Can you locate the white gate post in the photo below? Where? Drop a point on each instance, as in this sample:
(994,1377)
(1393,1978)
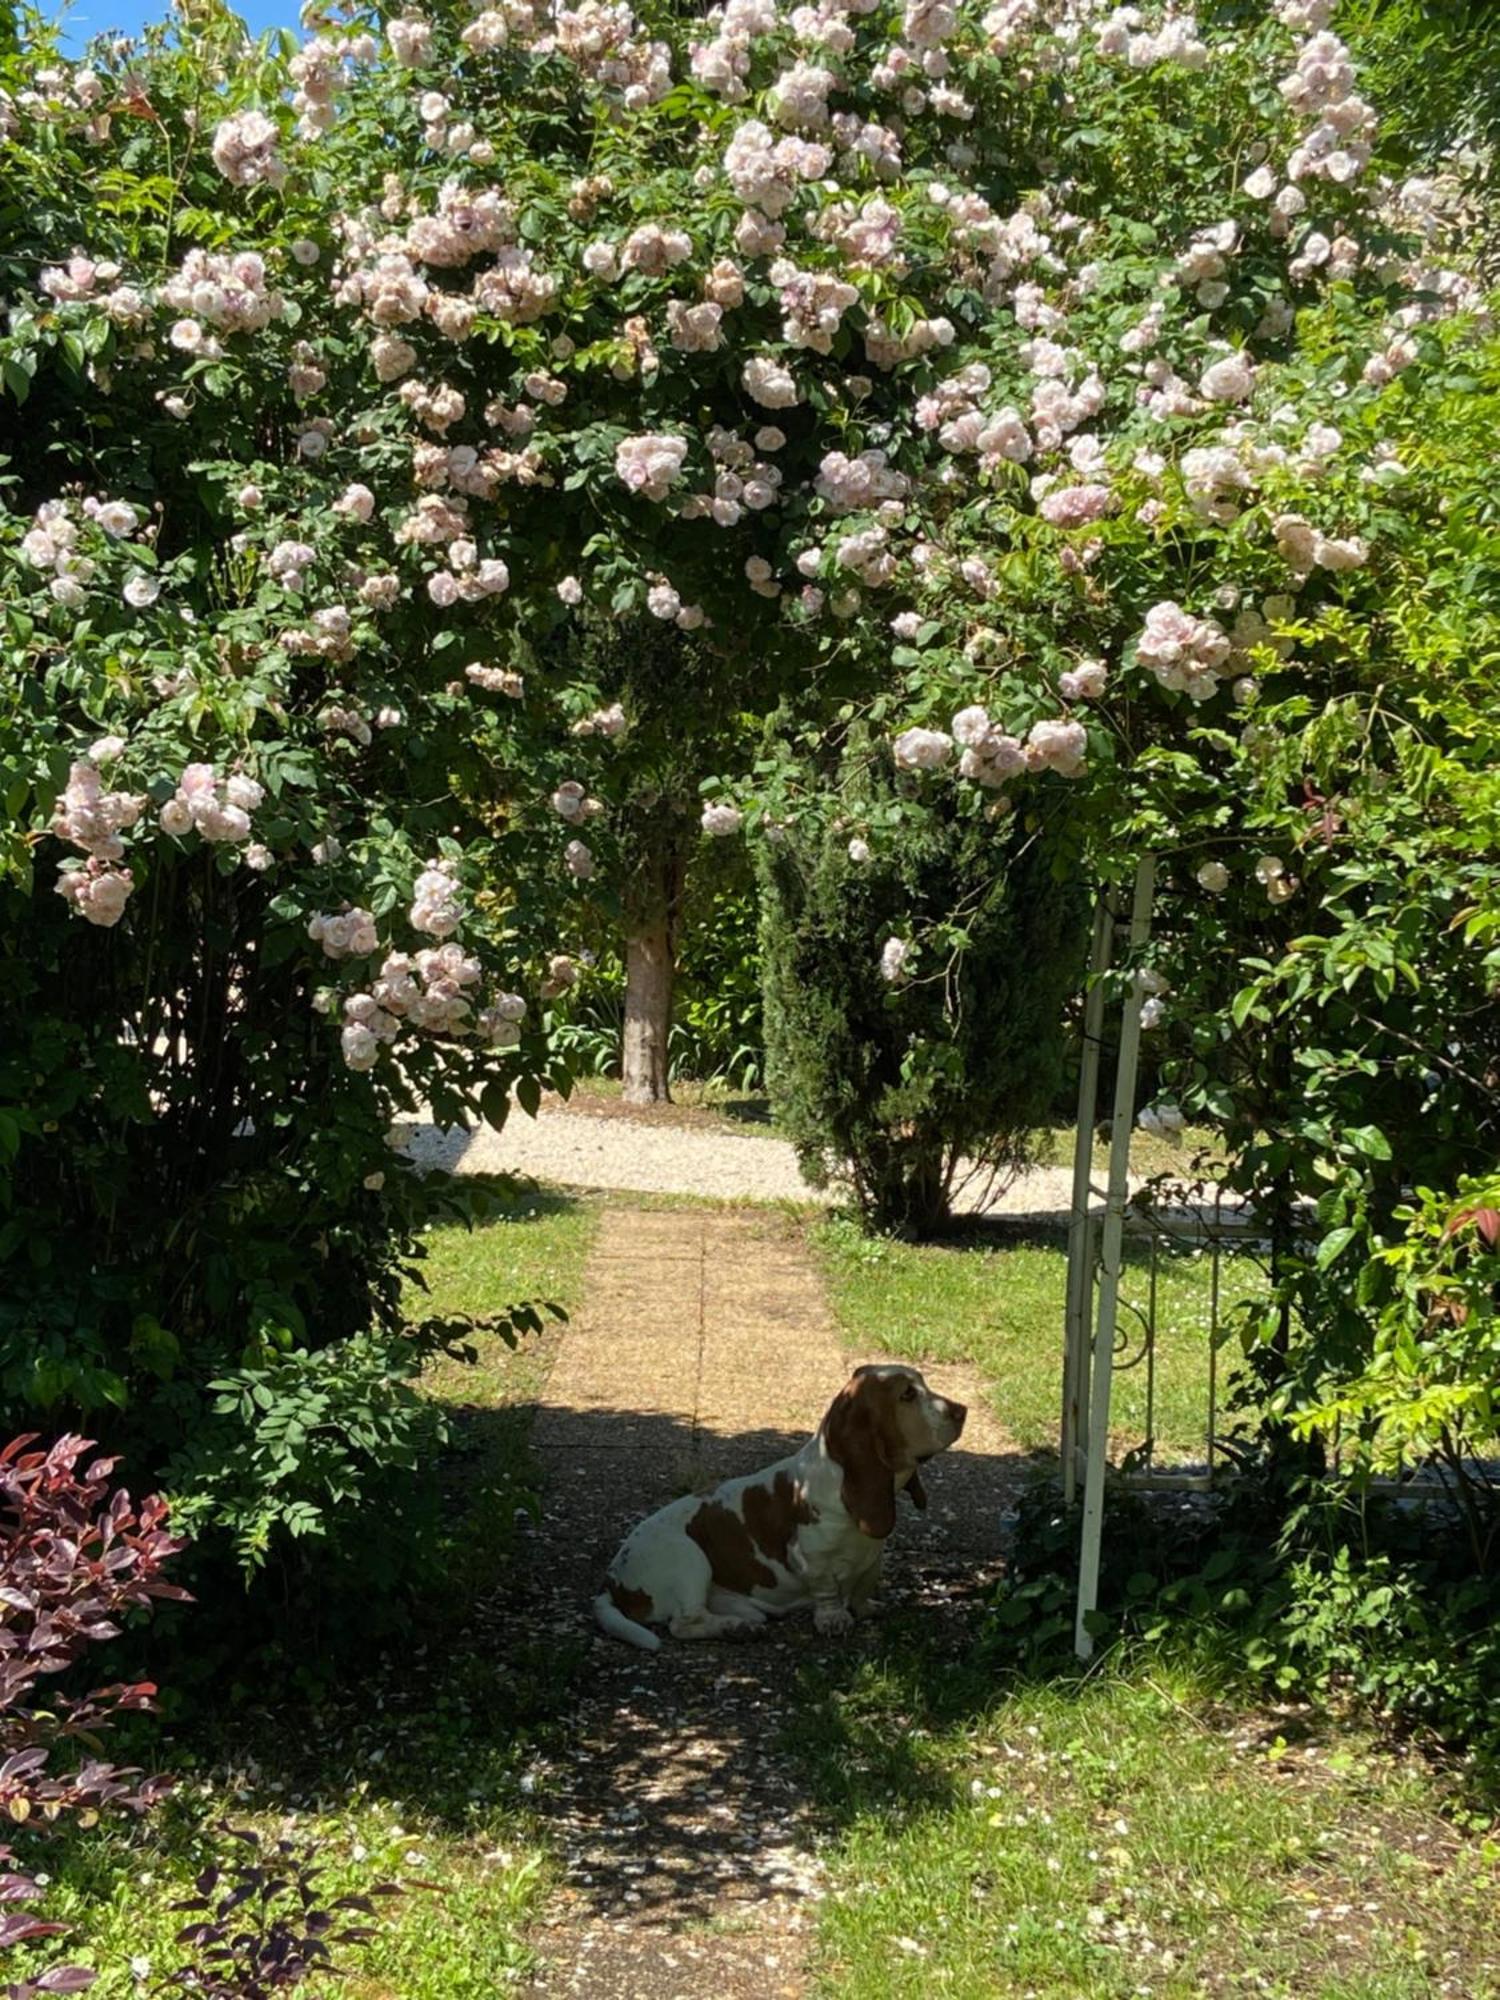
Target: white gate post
(1109,1271)
(1080,1243)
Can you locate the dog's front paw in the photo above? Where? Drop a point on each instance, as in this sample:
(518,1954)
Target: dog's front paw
(833,1620)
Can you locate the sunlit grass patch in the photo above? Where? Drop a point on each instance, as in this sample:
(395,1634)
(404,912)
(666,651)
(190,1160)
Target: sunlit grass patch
(1122,1837)
(1001,1306)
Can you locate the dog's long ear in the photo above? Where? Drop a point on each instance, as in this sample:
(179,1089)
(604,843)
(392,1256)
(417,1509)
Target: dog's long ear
(916,1492)
(854,1434)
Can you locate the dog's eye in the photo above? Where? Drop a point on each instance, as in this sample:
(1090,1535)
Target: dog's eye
(909,1394)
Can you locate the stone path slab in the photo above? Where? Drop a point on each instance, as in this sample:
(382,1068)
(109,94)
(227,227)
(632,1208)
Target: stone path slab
(705,1348)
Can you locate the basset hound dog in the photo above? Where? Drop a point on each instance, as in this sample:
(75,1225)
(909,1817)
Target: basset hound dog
(810,1529)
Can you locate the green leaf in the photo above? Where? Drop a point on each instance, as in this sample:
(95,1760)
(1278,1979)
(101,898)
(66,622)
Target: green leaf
(529,1094)
(1334,1244)
(1369,1140)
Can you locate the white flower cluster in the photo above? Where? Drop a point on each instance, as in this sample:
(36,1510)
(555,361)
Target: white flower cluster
(695,329)
(318,71)
(851,485)
(605,43)
(1153,987)
(741,480)
(653,251)
(572,802)
(80,278)
(410,38)
(650,464)
(1321,89)
(1058,746)
(722,64)
(347,933)
(469,577)
(606,722)
(1085,682)
(1186,654)
(813,304)
(922,749)
(768,383)
(497,680)
(953,411)
(339,720)
(244,150)
(1176,40)
(97,891)
(1271,873)
(867,553)
(1229,380)
(721,820)
(765,172)
(1214,477)
(1164,1121)
(562,972)
(428,990)
(1305,547)
(869,237)
(289,561)
(215,808)
(93,819)
(664,602)
(52,543)
(1076,506)
(990,756)
(329,635)
(227,289)
(437,901)
(894,954)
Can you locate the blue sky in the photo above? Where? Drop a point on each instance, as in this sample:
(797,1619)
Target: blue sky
(84,19)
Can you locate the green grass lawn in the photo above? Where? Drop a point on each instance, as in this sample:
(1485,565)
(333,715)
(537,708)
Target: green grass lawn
(1000,1305)
(411,1771)
(1126,1837)
(1136,1833)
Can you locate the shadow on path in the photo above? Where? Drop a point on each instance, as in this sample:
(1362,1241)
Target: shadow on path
(688,1846)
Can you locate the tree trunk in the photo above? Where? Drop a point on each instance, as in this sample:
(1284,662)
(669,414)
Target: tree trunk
(650,968)
(653,907)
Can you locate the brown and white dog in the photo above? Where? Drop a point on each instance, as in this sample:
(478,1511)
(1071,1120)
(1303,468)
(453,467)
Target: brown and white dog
(810,1529)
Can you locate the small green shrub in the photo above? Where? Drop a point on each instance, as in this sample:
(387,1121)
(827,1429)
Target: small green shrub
(1377,1609)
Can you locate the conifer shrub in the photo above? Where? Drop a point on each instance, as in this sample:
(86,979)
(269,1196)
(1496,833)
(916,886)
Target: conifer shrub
(915,999)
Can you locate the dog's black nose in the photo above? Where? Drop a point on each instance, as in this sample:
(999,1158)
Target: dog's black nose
(958,1412)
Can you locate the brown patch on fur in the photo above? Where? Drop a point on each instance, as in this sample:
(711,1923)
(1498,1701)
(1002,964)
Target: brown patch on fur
(725,1540)
(634,1604)
(774,1513)
(862,1435)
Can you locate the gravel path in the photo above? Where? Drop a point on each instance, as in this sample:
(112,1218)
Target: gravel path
(576,1149)
(689,1853)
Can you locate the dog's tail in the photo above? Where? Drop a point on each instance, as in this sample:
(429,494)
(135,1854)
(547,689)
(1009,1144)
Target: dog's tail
(613,1620)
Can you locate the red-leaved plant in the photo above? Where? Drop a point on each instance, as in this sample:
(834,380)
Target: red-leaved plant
(264,1926)
(74,1558)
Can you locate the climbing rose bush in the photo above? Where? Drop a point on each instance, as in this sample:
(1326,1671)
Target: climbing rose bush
(991,372)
